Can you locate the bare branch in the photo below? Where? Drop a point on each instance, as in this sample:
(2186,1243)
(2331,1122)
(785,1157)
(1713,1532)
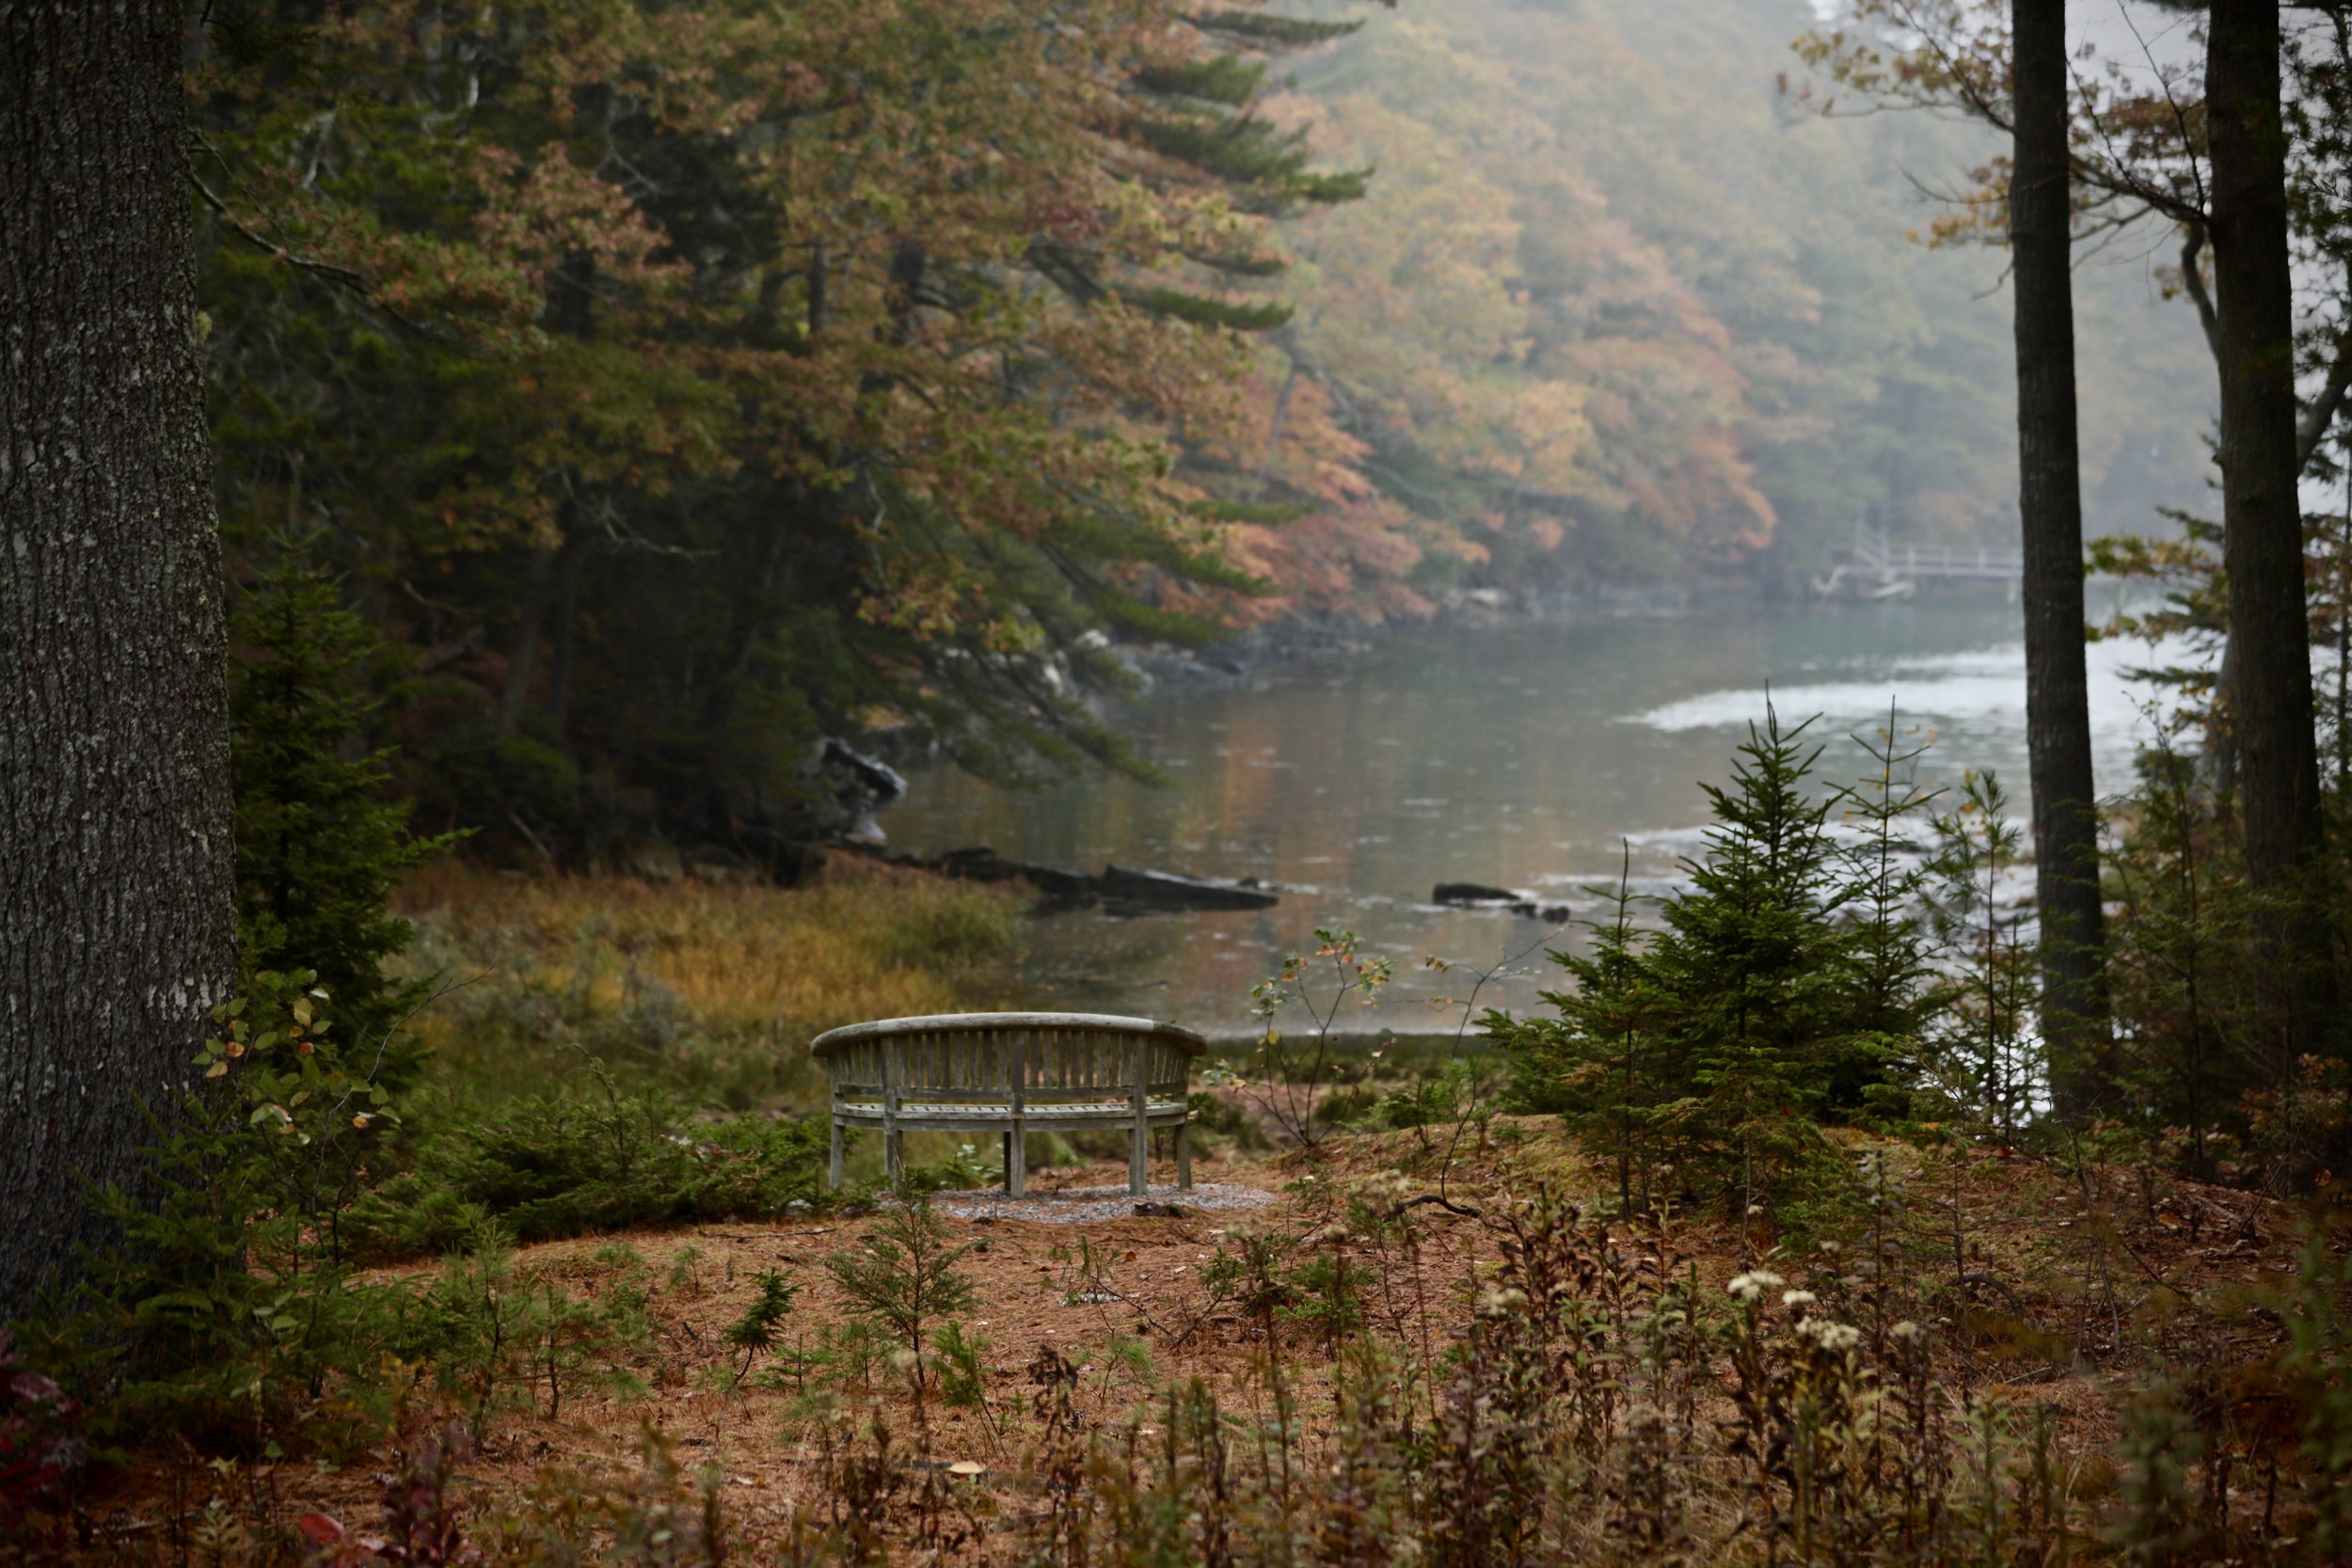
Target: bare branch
(2321,413)
(2193,279)
(343,277)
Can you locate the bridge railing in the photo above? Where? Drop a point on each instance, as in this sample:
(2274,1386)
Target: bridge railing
(1936,560)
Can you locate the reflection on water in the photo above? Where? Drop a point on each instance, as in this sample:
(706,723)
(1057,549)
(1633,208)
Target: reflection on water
(1523,757)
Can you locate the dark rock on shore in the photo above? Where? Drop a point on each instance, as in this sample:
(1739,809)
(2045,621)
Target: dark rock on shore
(854,786)
(1477,895)
(1474,893)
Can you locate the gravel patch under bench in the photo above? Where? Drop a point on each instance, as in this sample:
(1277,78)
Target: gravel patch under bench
(1082,1205)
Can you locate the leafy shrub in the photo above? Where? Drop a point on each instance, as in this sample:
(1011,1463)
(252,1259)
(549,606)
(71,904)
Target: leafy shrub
(962,1170)
(1353,1106)
(233,1311)
(1219,1116)
(422,1522)
(1294,1067)
(41,1446)
(230,1308)
(1422,1101)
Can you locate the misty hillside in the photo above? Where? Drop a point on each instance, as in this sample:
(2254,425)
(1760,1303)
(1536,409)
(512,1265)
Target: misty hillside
(1615,282)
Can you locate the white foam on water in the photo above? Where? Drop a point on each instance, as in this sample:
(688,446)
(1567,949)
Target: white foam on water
(1982,689)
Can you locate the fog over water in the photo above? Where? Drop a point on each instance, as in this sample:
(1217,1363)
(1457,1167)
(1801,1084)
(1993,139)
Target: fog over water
(1530,756)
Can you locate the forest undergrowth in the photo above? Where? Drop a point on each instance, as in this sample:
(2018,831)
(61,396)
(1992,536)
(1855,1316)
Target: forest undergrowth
(2002,1360)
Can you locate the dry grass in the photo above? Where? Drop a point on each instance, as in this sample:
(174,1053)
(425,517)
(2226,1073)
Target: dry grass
(710,988)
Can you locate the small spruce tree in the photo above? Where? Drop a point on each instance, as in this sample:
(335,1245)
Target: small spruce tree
(905,1276)
(1754,975)
(319,846)
(1985,1050)
(1788,987)
(1593,1063)
(1894,995)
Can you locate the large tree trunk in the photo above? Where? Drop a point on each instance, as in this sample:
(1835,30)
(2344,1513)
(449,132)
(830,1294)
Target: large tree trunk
(2049,504)
(2262,524)
(117,933)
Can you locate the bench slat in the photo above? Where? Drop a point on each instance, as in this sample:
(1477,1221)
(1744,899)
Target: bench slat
(997,1072)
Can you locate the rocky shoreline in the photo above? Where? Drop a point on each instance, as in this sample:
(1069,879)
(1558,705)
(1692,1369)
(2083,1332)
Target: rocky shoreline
(1130,890)
(1311,637)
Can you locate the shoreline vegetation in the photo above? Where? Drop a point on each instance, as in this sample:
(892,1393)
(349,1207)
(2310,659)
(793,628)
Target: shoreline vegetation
(1308,634)
(711,989)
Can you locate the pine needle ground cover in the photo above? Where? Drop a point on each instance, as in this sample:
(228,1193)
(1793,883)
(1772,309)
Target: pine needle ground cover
(1341,1379)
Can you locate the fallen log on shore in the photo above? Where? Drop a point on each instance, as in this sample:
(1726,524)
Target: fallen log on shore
(1166,890)
(1130,890)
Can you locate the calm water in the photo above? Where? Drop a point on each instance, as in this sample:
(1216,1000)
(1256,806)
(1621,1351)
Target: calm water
(1523,757)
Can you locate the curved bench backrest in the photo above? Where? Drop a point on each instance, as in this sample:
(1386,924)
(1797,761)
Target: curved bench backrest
(1035,1056)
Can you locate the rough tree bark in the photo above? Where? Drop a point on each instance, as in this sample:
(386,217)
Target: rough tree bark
(2262,522)
(2217,766)
(117,932)
(2049,504)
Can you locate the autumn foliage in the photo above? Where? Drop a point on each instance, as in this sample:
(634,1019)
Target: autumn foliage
(679,382)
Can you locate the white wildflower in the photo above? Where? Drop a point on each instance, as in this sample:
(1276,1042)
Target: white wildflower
(1835,1338)
(1798,1298)
(1752,1284)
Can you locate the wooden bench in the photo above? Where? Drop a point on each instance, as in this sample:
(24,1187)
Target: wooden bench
(1008,1073)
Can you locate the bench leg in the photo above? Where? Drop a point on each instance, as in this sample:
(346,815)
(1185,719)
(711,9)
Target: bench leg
(833,1176)
(1016,1163)
(894,1155)
(1139,1159)
(1183,1156)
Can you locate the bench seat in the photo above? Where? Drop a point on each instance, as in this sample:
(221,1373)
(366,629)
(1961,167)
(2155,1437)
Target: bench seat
(997,1116)
(1005,1072)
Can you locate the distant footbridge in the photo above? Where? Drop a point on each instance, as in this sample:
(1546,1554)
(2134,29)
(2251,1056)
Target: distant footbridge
(1878,568)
